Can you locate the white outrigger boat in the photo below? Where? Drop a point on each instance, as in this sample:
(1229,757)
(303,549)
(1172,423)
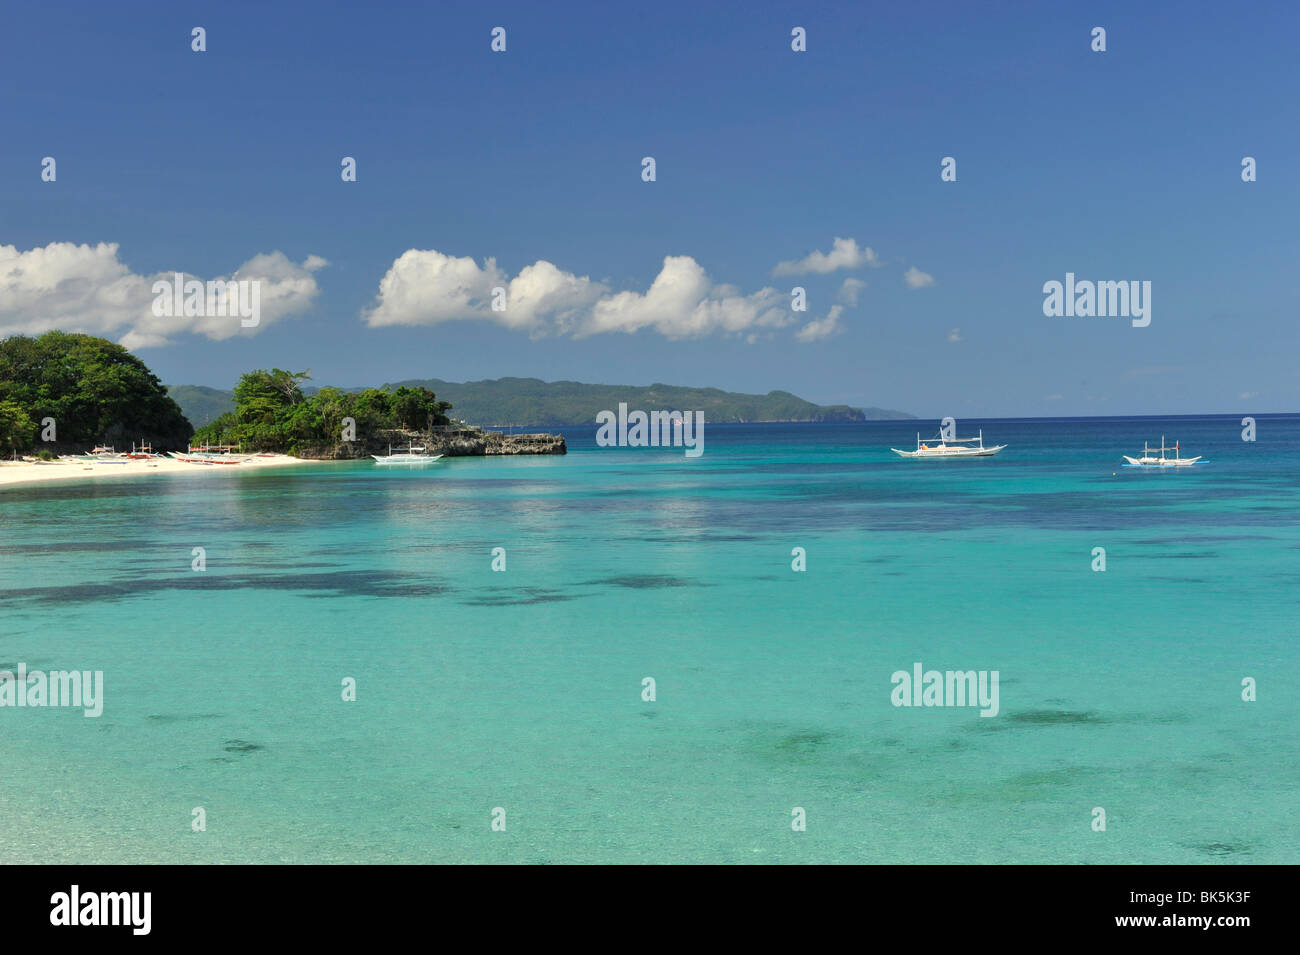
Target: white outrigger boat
(412,455)
(1149,459)
(100,454)
(212,454)
(950,448)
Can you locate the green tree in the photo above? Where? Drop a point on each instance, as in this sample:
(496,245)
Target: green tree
(17,429)
(418,408)
(273,413)
(94,390)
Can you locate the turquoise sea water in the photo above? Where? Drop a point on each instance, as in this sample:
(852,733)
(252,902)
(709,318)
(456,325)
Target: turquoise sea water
(523,689)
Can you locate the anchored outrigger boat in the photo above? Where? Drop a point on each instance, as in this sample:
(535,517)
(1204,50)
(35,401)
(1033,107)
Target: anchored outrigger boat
(412,455)
(950,448)
(1149,459)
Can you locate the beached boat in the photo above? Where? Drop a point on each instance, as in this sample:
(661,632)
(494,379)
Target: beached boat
(195,458)
(950,448)
(142,453)
(412,455)
(212,454)
(1159,457)
(100,454)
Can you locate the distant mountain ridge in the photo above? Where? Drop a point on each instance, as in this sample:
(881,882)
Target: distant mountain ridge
(201,405)
(531,401)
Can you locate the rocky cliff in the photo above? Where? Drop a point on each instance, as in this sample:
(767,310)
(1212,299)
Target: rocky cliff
(451,442)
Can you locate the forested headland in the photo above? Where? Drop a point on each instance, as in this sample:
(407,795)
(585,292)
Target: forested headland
(64,391)
(273,413)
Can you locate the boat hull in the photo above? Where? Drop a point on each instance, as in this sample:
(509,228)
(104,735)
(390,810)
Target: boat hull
(196,458)
(412,459)
(1160,463)
(949,452)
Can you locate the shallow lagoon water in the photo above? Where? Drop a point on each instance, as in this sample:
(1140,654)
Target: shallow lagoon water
(522,689)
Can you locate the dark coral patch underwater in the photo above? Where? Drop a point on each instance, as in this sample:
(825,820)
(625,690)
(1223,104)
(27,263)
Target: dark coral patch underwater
(644,582)
(340,583)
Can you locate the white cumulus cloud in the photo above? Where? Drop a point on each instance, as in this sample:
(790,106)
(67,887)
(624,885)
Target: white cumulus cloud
(85,288)
(915,278)
(954,335)
(425,287)
(822,327)
(844,254)
(850,290)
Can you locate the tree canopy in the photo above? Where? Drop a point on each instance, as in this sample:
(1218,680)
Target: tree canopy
(95,390)
(273,413)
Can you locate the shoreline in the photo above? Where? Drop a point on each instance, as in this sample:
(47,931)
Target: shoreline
(22,473)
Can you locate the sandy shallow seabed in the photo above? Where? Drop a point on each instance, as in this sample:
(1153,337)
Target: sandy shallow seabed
(21,472)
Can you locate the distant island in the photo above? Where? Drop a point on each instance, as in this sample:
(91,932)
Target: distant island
(502,402)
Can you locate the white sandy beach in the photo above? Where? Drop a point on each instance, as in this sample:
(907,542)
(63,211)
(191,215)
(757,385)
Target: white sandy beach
(23,472)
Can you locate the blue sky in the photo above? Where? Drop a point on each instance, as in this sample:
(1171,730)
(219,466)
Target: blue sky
(1117,165)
